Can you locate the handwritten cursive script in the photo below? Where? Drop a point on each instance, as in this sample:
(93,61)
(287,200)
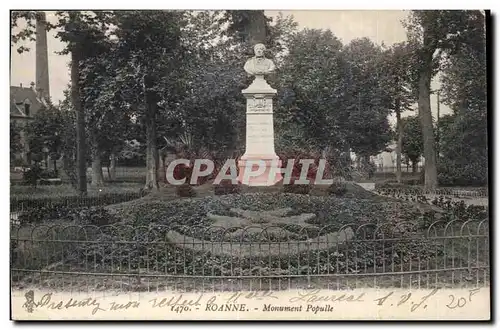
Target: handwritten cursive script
(47,302)
(257,295)
(175,301)
(403,299)
(311,296)
(313,301)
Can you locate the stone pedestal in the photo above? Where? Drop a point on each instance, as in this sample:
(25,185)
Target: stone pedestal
(259,149)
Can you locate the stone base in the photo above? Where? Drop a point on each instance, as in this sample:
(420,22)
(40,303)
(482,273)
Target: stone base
(249,163)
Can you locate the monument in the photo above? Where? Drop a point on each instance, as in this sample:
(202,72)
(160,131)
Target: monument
(259,166)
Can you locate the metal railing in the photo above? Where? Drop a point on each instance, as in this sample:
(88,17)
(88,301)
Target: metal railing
(23,203)
(123,174)
(446,192)
(393,169)
(155,258)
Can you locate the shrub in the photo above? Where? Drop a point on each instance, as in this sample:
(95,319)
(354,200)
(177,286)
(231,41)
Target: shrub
(220,162)
(48,174)
(97,216)
(185,190)
(388,185)
(462,174)
(85,215)
(226,187)
(294,188)
(44,213)
(32,175)
(18,162)
(297,166)
(182,171)
(338,188)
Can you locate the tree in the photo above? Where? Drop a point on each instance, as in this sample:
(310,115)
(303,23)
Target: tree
(397,66)
(27,33)
(464,151)
(45,132)
(68,137)
(251,26)
(412,144)
(311,83)
(15,140)
(331,97)
(107,118)
(368,102)
(434,33)
(212,109)
(464,148)
(81,31)
(151,77)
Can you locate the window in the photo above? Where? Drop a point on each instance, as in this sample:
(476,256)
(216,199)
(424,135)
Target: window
(27,109)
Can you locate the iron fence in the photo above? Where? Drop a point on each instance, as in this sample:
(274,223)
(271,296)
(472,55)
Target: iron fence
(450,192)
(154,258)
(121,174)
(23,203)
(405,169)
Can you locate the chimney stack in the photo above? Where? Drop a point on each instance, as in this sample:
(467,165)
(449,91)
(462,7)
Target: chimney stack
(42,58)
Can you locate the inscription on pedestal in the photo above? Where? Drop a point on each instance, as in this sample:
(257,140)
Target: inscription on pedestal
(260,134)
(260,105)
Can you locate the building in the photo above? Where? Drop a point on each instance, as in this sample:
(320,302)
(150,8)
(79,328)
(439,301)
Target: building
(386,160)
(25,102)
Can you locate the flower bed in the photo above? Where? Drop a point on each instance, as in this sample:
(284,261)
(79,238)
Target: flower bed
(385,235)
(329,209)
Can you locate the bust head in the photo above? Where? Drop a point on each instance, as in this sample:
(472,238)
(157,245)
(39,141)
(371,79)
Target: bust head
(259,50)
(259,65)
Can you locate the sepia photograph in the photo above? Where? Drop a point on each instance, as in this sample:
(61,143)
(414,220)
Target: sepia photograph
(249,165)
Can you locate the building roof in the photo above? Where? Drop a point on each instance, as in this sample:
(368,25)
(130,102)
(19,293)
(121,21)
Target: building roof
(18,96)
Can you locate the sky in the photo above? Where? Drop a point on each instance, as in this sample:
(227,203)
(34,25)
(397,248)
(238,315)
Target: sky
(381,26)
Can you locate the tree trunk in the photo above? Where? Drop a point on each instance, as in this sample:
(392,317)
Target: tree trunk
(97,177)
(348,155)
(54,162)
(156,157)
(414,166)
(424,110)
(151,148)
(162,170)
(112,166)
(80,115)
(151,168)
(399,145)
